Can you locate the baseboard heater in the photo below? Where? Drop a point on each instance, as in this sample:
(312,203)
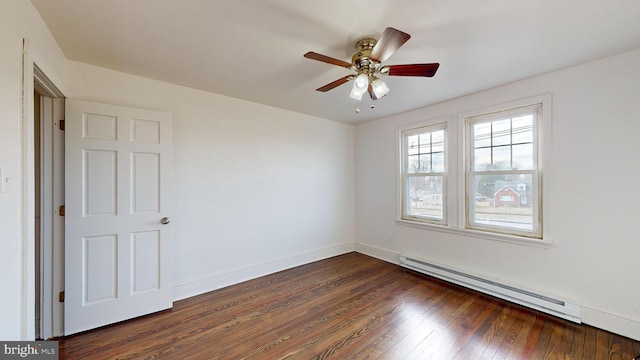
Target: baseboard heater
(526,298)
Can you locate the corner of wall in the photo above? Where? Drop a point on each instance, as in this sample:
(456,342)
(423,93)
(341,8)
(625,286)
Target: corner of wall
(615,324)
(211,282)
(378,253)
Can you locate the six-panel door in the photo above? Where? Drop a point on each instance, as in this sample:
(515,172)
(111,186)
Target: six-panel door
(118,190)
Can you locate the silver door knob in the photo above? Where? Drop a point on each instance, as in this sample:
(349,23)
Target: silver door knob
(164,220)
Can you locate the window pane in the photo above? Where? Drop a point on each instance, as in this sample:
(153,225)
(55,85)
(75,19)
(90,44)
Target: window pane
(425,197)
(482,159)
(437,141)
(425,143)
(523,157)
(425,163)
(501,158)
(421,149)
(437,162)
(413,164)
(523,129)
(482,134)
(412,144)
(504,201)
(501,132)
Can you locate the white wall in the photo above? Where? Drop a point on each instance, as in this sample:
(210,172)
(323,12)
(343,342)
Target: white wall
(257,189)
(594,257)
(18,20)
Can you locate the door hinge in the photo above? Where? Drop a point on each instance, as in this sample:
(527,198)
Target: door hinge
(61,124)
(61,210)
(61,296)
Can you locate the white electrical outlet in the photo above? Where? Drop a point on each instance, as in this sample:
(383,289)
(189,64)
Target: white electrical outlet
(390,238)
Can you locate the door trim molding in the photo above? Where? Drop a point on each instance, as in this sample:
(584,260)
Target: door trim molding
(32,78)
(44,85)
(27,198)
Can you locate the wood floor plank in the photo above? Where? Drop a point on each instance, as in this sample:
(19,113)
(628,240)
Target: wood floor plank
(333,316)
(347,307)
(505,330)
(436,326)
(527,320)
(395,323)
(477,344)
(412,331)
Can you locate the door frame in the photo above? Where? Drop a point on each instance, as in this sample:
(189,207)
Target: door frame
(51,169)
(32,74)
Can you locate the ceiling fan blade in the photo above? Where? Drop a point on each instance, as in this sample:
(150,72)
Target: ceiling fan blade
(389,42)
(335,84)
(327,59)
(427,70)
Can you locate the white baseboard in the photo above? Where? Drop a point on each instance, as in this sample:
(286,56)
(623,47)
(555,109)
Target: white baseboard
(613,323)
(378,253)
(210,282)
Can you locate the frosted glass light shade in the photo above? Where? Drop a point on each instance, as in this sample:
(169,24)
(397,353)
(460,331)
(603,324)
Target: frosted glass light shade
(360,86)
(379,88)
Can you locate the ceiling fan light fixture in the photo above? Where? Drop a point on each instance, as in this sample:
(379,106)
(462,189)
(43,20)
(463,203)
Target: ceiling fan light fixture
(362,81)
(356,94)
(379,88)
(360,86)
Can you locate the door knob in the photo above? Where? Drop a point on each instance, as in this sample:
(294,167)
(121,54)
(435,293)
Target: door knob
(164,220)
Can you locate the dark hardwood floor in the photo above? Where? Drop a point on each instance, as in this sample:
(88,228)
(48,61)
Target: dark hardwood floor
(347,307)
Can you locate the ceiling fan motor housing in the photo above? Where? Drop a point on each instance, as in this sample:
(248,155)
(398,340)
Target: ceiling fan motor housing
(361,60)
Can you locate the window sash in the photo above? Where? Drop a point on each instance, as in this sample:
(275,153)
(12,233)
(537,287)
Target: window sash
(471,174)
(534,110)
(408,175)
(427,201)
(471,205)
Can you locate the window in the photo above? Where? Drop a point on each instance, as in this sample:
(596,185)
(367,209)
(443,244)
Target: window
(423,174)
(503,166)
(479,173)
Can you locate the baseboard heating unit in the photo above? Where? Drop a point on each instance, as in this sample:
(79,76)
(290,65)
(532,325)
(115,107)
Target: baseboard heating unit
(526,298)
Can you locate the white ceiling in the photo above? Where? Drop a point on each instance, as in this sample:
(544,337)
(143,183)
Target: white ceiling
(253,50)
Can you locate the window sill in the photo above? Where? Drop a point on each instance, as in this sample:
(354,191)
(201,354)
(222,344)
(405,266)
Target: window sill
(518,240)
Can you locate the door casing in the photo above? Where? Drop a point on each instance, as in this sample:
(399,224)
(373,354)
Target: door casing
(51,168)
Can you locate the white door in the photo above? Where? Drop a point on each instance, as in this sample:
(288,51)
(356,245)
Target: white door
(117,208)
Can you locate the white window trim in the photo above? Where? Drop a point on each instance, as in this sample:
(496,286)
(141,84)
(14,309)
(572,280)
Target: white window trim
(456,161)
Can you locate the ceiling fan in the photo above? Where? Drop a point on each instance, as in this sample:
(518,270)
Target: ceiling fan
(367,63)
